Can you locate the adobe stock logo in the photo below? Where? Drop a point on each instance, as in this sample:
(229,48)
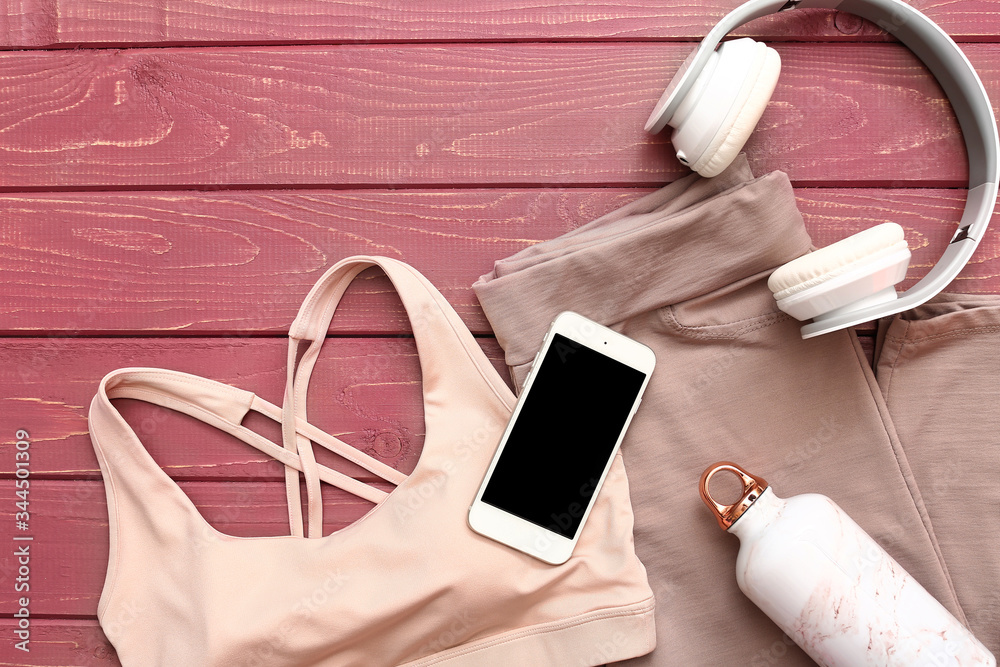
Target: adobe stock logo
(565,348)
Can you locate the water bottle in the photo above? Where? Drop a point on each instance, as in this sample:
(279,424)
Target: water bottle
(831,587)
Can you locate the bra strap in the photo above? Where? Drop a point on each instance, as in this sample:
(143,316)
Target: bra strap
(224,407)
(447,351)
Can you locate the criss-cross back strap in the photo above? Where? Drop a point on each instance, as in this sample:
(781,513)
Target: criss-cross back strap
(224,407)
(450,361)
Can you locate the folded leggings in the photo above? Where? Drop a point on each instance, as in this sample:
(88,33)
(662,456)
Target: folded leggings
(910,449)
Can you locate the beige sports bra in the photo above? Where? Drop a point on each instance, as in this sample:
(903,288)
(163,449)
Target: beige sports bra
(409,583)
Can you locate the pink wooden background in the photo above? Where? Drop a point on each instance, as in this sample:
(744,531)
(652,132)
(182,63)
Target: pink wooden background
(175,176)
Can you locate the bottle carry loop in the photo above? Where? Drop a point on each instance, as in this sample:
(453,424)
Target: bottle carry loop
(727,515)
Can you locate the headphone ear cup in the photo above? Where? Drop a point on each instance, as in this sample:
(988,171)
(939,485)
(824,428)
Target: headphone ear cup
(858,271)
(715,118)
(746,111)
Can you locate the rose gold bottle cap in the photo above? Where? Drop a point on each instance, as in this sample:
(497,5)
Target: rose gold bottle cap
(727,515)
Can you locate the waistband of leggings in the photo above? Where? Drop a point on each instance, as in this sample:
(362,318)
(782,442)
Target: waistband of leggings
(685,240)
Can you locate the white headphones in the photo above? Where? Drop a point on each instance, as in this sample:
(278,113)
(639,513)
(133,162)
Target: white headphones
(718,95)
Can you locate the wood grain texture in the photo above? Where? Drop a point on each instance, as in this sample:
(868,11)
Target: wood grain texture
(465,115)
(265,250)
(241,262)
(58,643)
(364,391)
(54,23)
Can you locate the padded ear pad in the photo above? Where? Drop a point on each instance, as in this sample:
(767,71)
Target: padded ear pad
(833,260)
(848,271)
(746,109)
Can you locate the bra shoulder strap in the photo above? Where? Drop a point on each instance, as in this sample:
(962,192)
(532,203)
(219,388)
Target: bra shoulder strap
(452,363)
(223,406)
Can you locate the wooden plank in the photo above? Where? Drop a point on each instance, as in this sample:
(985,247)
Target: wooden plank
(82,263)
(560,114)
(57,643)
(69,526)
(225,263)
(365,391)
(54,23)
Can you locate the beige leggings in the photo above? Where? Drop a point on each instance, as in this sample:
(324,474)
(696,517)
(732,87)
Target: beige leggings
(910,450)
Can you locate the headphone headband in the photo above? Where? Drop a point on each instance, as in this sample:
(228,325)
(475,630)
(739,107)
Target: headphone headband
(961,85)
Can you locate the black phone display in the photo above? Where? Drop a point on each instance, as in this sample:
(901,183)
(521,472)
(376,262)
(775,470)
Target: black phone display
(569,425)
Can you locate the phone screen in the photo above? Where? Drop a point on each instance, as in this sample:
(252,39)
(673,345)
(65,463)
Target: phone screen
(564,435)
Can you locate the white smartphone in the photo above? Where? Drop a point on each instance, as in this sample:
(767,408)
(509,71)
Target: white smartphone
(569,421)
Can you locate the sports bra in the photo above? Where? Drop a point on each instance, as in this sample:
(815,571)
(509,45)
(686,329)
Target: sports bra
(407,584)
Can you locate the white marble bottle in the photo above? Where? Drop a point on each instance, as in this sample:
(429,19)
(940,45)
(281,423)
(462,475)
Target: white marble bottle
(832,588)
